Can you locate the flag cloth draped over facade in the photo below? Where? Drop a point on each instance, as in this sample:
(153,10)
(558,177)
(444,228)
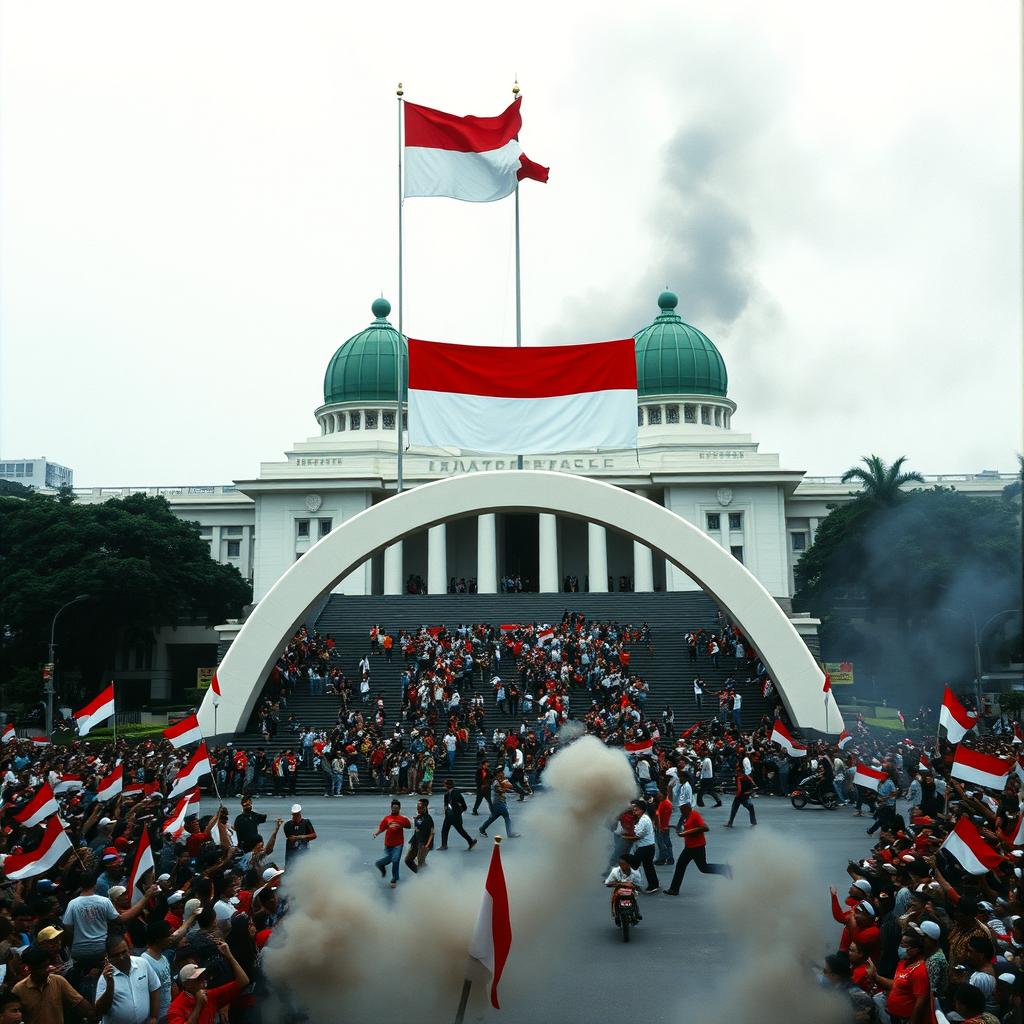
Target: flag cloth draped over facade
(111,786)
(782,736)
(96,712)
(555,398)
(476,159)
(493,936)
(184,732)
(981,769)
(955,717)
(189,776)
(39,808)
(971,851)
(869,778)
(43,858)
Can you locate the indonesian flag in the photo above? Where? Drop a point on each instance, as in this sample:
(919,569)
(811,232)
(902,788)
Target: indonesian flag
(981,769)
(545,635)
(901,717)
(550,398)
(175,824)
(43,858)
(477,159)
(687,733)
(185,732)
(111,786)
(96,712)
(141,863)
(924,762)
(828,685)
(642,747)
(40,741)
(869,778)
(1018,733)
(8,735)
(509,627)
(215,689)
(493,936)
(39,808)
(189,776)
(974,855)
(844,739)
(1017,838)
(1018,767)
(141,788)
(68,783)
(955,717)
(781,735)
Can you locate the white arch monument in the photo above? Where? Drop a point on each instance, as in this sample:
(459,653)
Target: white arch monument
(746,602)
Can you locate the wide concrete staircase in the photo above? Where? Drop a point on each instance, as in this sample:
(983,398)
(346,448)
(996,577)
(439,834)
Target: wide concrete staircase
(668,671)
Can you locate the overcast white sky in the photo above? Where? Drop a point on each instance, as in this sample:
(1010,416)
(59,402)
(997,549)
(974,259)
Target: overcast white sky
(198,206)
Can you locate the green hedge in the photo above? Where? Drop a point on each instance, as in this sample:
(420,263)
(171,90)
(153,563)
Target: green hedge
(142,731)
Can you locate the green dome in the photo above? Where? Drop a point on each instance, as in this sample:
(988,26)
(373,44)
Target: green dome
(365,368)
(673,358)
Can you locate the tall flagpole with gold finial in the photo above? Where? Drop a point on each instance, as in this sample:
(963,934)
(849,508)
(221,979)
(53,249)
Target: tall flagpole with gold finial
(399,424)
(519,292)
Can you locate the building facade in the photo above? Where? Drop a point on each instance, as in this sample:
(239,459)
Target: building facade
(38,473)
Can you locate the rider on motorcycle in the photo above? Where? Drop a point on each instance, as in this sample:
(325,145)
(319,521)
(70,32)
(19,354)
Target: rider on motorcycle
(624,876)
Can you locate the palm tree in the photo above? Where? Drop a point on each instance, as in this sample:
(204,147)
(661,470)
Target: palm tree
(882,483)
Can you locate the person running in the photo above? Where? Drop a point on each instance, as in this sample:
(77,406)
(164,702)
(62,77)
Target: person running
(393,826)
(707,782)
(454,808)
(744,789)
(499,808)
(422,837)
(694,849)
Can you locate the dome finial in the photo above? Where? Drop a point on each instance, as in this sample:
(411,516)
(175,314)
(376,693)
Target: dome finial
(668,300)
(380,308)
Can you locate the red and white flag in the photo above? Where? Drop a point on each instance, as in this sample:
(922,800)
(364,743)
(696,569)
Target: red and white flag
(844,739)
(111,786)
(8,735)
(184,732)
(981,769)
(640,748)
(96,712)
(68,783)
(549,398)
(924,762)
(215,689)
(493,936)
(781,735)
(1018,733)
(1017,838)
(141,788)
(43,858)
(869,778)
(189,776)
(901,717)
(476,159)
(955,717)
(974,855)
(545,635)
(39,808)
(828,685)
(40,741)
(141,863)
(175,824)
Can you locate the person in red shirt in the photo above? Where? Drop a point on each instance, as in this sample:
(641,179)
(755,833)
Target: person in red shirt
(393,826)
(663,826)
(859,925)
(197,1004)
(694,849)
(910,993)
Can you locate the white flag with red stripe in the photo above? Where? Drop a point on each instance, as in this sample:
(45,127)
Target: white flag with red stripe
(844,739)
(189,776)
(640,747)
(551,398)
(974,855)
(782,736)
(8,735)
(43,858)
(96,712)
(476,159)
(981,769)
(869,778)
(141,863)
(112,785)
(492,938)
(955,717)
(39,808)
(175,824)
(182,733)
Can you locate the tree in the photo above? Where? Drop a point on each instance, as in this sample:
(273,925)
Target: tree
(141,566)
(1017,487)
(882,484)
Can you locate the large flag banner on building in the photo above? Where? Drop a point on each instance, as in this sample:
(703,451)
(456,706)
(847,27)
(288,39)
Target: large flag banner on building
(43,858)
(974,855)
(981,769)
(96,712)
(39,808)
(477,159)
(955,717)
(493,936)
(554,398)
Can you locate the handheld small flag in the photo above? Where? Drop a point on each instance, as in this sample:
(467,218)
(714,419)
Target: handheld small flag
(141,863)
(43,858)
(869,778)
(189,776)
(112,785)
(39,808)
(955,717)
(973,854)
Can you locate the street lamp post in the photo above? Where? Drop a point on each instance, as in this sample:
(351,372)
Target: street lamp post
(48,689)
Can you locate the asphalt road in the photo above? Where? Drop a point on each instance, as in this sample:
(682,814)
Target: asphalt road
(683,946)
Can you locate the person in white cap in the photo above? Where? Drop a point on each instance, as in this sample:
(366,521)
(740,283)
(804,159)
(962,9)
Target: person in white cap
(298,834)
(197,1004)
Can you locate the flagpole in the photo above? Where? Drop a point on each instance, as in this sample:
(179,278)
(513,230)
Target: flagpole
(401,303)
(519,289)
(113,683)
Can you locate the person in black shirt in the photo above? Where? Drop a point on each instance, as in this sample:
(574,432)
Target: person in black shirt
(247,825)
(298,834)
(454,808)
(422,838)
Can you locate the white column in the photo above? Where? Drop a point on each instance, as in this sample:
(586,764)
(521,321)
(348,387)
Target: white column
(643,568)
(548,560)
(437,560)
(597,558)
(486,554)
(394,577)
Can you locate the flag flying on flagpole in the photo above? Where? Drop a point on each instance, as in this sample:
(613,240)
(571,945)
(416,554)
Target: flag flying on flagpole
(184,732)
(492,938)
(43,858)
(141,863)
(189,776)
(974,855)
(175,824)
(782,736)
(476,159)
(550,398)
(215,689)
(844,739)
(96,711)
(39,808)
(981,769)
(955,717)
(828,685)
(112,785)
(869,778)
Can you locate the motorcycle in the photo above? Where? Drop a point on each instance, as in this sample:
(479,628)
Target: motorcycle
(812,791)
(627,913)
